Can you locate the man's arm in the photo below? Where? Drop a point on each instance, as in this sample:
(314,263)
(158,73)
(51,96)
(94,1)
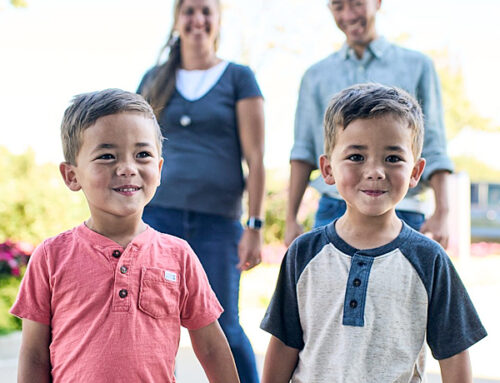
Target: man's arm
(300,171)
(34,356)
(250,113)
(456,369)
(437,225)
(280,362)
(438,164)
(213,352)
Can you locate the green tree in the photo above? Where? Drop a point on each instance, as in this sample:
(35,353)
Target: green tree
(478,171)
(458,110)
(19,3)
(34,202)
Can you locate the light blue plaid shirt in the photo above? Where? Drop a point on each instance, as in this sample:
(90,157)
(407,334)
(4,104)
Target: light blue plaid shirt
(383,63)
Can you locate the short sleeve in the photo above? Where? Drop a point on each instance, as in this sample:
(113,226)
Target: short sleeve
(34,297)
(200,306)
(308,118)
(147,76)
(282,316)
(246,85)
(429,97)
(453,323)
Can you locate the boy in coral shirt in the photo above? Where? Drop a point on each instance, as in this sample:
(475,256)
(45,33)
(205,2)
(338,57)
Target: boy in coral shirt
(104,302)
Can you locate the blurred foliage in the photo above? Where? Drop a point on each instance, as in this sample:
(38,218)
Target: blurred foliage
(276,204)
(34,202)
(14,257)
(19,3)
(9,286)
(478,171)
(458,110)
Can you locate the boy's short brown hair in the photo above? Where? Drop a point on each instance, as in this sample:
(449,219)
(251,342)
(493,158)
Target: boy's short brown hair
(86,108)
(368,101)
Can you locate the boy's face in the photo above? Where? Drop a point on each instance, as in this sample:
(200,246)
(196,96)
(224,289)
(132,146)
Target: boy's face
(118,166)
(372,164)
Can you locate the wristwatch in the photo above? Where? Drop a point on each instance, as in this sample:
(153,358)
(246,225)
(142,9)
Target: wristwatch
(255,223)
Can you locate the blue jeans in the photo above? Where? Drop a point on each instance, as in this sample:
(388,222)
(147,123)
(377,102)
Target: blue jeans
(214,239)
(330,209)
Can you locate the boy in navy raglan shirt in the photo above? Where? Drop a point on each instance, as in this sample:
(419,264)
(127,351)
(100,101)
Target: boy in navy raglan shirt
(357,300)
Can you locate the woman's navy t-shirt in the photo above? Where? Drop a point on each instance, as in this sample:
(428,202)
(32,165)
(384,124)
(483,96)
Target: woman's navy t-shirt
(202,171)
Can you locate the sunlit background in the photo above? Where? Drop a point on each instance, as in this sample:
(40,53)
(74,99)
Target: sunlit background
(54,49)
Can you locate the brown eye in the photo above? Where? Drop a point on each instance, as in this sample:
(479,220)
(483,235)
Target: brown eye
(144,155)
(356,157)
(106,156)
(393,159)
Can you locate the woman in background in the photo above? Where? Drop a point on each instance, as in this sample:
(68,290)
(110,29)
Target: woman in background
(211,112)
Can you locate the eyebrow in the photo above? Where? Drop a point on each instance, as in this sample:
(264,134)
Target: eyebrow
(392,148)
(112,146)
(395,148)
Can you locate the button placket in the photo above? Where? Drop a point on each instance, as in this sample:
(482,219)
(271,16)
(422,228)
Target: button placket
(121,296)
(355,295)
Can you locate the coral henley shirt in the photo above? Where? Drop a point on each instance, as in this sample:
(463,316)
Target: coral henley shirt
(115,314)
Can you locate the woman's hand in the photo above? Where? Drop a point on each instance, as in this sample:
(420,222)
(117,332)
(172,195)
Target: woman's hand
(249,249)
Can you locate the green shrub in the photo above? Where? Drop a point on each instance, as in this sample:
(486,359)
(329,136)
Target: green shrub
(34,202)
(9,286)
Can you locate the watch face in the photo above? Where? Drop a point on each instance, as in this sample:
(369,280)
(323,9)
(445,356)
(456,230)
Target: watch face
(254,223)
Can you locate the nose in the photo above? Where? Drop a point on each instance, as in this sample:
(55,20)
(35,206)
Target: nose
(375,172)
(126,168)
(199,18)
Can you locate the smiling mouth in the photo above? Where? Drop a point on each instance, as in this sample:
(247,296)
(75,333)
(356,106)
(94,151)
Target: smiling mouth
(127,189)
(374,193)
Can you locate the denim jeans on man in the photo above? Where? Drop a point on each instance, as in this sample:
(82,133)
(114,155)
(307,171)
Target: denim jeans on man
(214,239)
(330,209)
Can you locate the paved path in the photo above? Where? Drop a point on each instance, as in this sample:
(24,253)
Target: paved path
(188,368)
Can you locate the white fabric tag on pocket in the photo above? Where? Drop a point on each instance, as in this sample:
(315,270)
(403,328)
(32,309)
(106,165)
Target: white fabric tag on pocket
(170,276)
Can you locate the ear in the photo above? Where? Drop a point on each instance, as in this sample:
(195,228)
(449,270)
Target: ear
(416,172)
(160,166)
(326,169)
(69,176)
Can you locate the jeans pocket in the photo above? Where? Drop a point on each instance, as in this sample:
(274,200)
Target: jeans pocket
(159,292)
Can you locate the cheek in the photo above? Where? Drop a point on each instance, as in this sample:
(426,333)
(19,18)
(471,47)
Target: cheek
(97,178)
(347,176)
(402,177)
(152,175)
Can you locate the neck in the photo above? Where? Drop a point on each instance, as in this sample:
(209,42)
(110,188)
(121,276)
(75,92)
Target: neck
(359,48)
(363,232)
(198,59)
(122,230)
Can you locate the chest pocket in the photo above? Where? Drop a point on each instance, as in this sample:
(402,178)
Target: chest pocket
(159,292)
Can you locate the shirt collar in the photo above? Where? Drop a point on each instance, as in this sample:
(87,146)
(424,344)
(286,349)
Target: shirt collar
(377,48)
(344,247)
(100,241)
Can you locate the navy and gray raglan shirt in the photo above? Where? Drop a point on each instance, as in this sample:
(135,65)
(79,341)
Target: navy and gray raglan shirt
(366,315)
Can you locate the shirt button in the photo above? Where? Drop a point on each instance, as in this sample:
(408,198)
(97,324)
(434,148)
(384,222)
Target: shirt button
(356,282)
(361,263)
(353,304)
(116,253)
(123,269)
(123,293)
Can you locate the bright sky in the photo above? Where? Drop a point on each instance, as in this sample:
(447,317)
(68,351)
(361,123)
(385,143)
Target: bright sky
(57,48)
